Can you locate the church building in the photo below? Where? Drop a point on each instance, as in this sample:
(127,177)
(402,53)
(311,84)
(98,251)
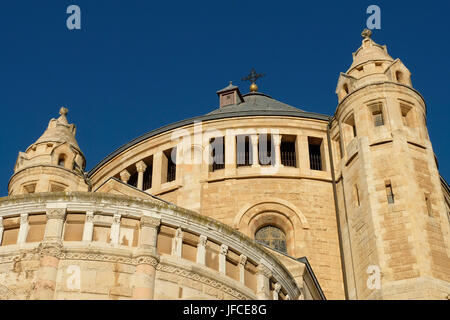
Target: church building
(255,200)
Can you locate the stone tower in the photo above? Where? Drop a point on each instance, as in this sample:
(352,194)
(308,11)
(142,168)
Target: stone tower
(394,227)
(53,163)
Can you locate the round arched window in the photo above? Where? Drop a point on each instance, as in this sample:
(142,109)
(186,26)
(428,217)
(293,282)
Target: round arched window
(273,237)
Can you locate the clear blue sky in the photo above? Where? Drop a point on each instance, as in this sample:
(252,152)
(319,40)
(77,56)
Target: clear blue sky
(137,65)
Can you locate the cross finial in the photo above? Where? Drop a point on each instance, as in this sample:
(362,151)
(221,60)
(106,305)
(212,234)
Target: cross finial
(366,33)
(253,76)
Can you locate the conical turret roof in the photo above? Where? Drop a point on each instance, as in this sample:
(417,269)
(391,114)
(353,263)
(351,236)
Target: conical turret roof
(369,51)
(59,130)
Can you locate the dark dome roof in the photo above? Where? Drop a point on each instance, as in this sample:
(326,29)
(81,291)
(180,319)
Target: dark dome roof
(256,101)
(255,104)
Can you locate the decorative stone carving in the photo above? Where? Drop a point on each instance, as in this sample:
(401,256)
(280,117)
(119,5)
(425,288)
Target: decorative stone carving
(56,213)
(177,243)
(90,216)
(224,249)
(219,286)
(202,240)
(141,166)
(52,249)
(263,270)
(116,218)
(242,260)
(125,176)
(152,222)
(276,291)
(23,218)
(201,249)
(147,259)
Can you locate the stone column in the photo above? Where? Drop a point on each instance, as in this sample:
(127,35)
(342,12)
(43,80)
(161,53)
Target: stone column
(242,262)
(223,258)
(140,167)
(263,276)
(50,252)
(177,243)
(303,154)
(255,153)
(88,226)
(146,259)
(277,143)
(115,229)
(230,154)
(23,231)
(157,173)
(276,292)
(201,250)
(125,176)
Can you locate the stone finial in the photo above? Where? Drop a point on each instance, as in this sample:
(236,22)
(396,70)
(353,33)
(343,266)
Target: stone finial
(366,33)
(63,111)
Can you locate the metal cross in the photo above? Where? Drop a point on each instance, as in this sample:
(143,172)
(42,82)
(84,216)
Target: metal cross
(253,76)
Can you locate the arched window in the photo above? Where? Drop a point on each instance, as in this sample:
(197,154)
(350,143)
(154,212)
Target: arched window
(345,88)
(61,160)
(273,237)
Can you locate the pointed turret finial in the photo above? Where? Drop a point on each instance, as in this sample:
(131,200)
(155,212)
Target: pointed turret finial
(366,33)
(63,111)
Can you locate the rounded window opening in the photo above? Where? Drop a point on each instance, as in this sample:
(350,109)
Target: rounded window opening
(273,237)
(61,160)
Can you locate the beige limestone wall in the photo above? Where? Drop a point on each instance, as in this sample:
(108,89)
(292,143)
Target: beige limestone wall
(408,240)
(171,258)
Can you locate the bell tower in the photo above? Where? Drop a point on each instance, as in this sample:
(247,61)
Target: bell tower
(53,163)
(392,214)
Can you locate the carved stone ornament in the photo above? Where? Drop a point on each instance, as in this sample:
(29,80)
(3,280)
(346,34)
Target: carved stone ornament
(152,222)
(265,271)
(151,260)
(56,213)
(52,249)
(224,249)
(242,259)
(202,240)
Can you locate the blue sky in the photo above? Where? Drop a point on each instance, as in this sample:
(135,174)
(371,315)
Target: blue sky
(138,65)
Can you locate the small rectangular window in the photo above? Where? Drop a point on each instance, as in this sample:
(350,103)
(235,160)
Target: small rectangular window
(217,146)
(389,193)
(266,150)
(407,115)
(170,159)
(288,153)
(315,153)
